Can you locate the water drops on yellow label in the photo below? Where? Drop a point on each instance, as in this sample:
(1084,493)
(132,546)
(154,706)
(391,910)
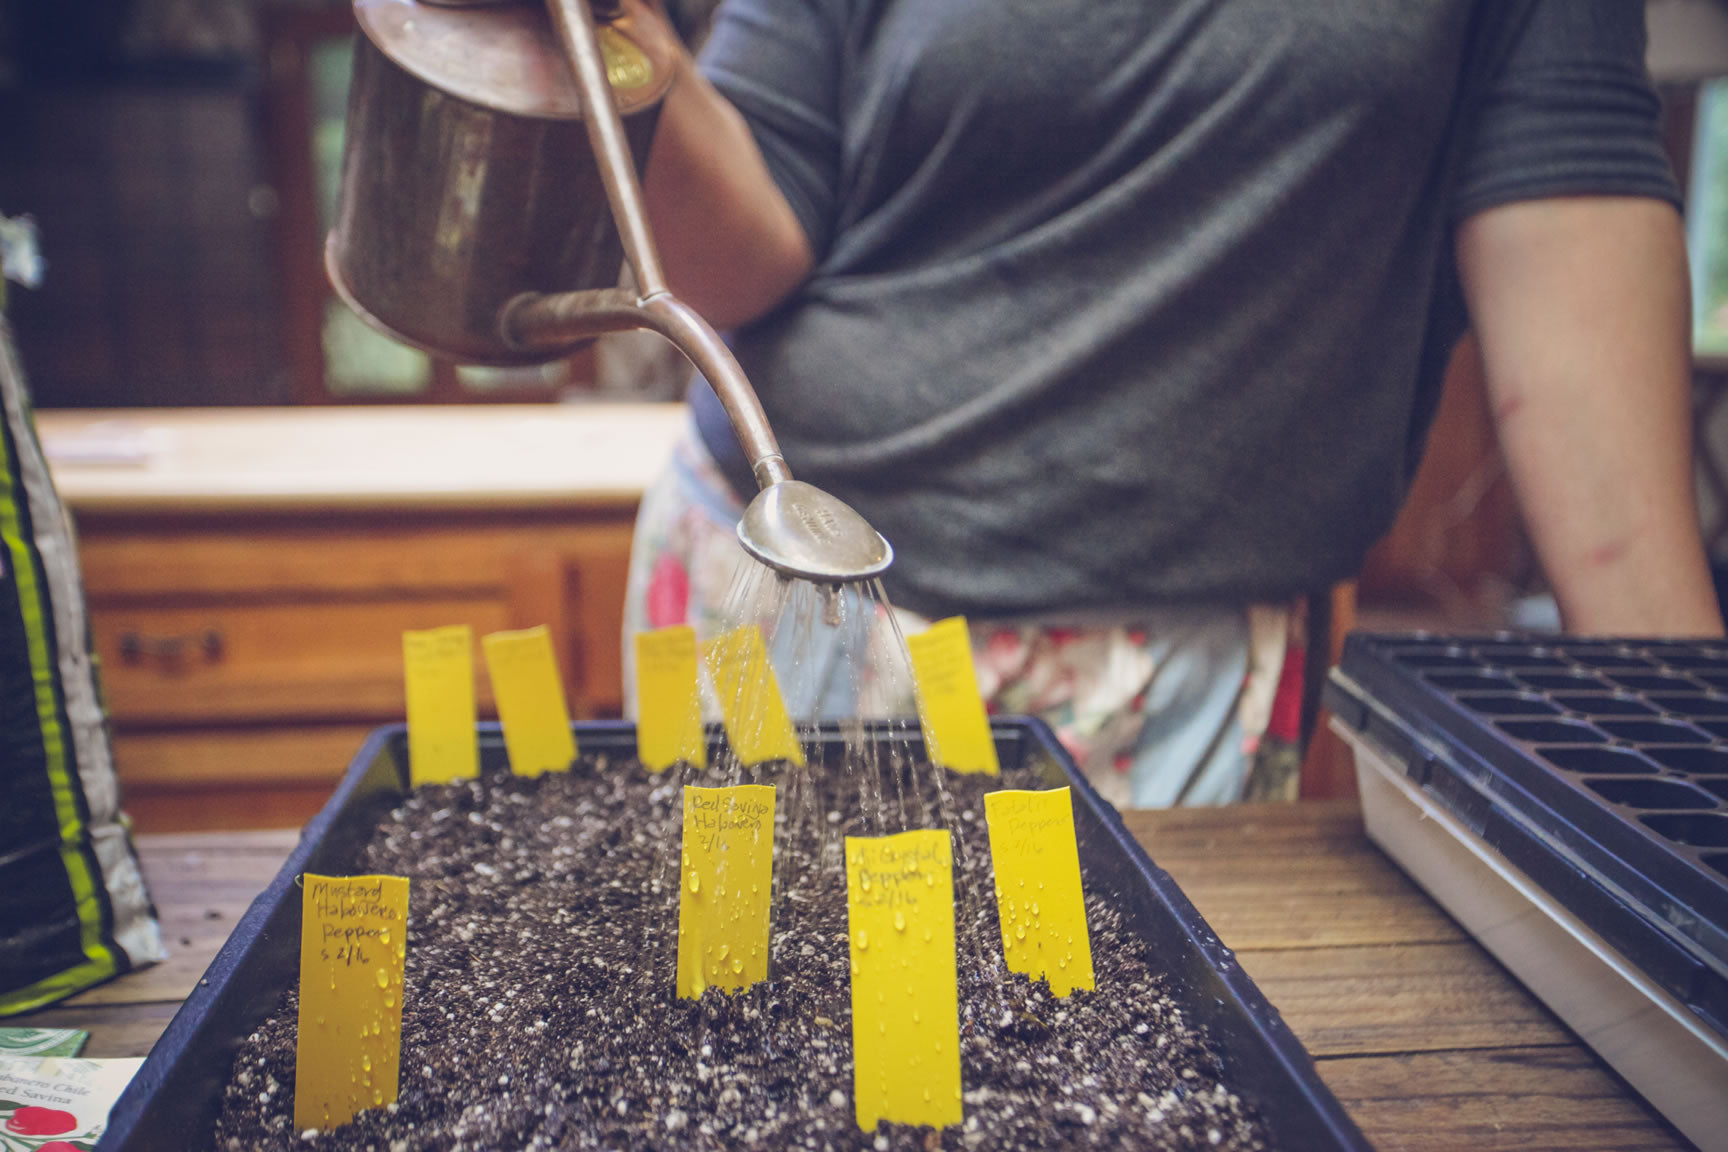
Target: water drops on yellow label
(438,670)
(350,1037)
(1038,892)
(750,702)
(950,708)
(668,703)
(723,904)
(905,1002)
(530,698)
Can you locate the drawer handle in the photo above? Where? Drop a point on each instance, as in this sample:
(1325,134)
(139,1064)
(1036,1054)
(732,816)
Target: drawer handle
(171,651)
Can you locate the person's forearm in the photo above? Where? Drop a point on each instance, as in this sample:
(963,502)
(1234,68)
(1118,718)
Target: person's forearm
(729,243)
(1581,308)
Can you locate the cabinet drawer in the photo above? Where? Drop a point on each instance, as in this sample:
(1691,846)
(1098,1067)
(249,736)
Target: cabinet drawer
(269,777)
(293,616)
(316,660)
(194,759)
(335,555)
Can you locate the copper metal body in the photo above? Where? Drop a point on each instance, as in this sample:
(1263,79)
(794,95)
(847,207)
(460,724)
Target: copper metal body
(467,176)
(491,212)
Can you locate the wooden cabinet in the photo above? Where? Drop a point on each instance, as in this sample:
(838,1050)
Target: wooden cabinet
(250,574)
(1457,556)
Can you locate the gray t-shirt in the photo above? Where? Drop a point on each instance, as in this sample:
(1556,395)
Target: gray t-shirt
(1121,303)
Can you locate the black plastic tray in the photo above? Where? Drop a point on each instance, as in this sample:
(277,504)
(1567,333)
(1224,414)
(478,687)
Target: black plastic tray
(1598,767)
(171,1105)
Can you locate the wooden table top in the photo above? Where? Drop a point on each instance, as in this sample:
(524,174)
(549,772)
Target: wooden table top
(1428,1043)
(470,456)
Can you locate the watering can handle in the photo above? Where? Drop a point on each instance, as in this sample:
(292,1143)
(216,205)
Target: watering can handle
(574,21)
(536,318)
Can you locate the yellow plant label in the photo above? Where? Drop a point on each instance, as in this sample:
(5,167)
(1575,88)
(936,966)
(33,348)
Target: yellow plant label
(725,887)
(530,698)
(750,700)
(668,706)
(1038,895)
(956,728)
(439,669)
(905,1004)
(353,941)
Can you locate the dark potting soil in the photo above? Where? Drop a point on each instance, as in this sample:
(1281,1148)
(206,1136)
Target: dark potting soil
(538,1010)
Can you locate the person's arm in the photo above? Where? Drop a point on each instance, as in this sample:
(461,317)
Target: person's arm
(1581,306)
(730,245)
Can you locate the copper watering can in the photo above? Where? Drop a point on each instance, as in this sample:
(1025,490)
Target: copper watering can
(490,212)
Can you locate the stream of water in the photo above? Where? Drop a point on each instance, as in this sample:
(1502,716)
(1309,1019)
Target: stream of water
(840,661)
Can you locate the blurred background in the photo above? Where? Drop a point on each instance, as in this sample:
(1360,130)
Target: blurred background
(178,160)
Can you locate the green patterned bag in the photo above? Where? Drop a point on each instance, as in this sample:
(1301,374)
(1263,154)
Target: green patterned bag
(73,907)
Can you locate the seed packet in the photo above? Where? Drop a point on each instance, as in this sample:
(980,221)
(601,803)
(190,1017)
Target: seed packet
(42,1041)
(59,1104)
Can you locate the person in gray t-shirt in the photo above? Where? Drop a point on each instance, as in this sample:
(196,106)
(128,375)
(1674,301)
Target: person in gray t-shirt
(1108,312)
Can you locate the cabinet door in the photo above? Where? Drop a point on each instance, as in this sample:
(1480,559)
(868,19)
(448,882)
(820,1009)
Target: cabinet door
(244,661)
(273,776)
(312,660)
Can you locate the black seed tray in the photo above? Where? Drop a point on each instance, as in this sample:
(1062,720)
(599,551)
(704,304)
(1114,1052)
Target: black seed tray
(171,1105)
(1598,767)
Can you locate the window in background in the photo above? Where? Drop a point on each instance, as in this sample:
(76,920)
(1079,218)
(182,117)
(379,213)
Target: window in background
(1707,221)
(1702,159)
(358,360)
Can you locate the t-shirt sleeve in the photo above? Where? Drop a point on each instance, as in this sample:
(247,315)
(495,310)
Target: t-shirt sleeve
(779,62)
(1568,109)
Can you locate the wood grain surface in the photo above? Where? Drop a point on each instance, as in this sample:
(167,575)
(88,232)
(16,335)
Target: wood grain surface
(1427,1042)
